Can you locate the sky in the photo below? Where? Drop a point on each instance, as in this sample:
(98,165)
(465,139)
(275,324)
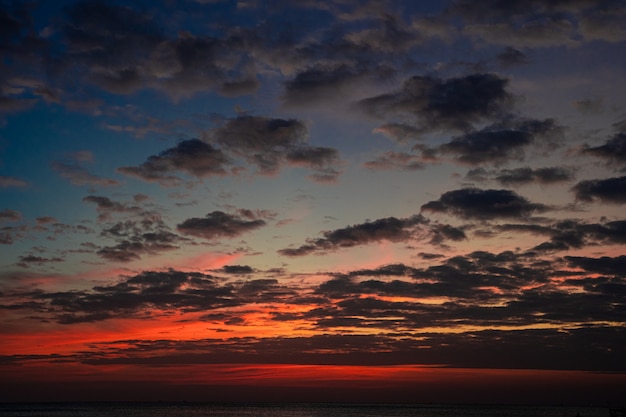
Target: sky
(348,200)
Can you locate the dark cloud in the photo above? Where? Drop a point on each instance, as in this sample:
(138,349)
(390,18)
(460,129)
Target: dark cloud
(137,232)
(389,229)
(261,141)
(144,233)
(615,266)
(400,132)
(568,234)
(22,80)
(25,261)
(474,203)
(218,224)
(107,207)
(500,142)
(521,176)
(547,175)
(613,151)
(454,103)
(510,57)
(192,156)
(133,245)
(322,83)
(540,23)
(266,143)
(169,290)
(148,294)
(610,190)
(270,143)
(236,269)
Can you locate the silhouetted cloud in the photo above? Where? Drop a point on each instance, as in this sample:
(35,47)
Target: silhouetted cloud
(237,269)
(218,224)
(499,142)
(615,266)
(613,151)
(474,203)
(521,176)
(511,56)
(25,261)
(610,190)
(386,229)
(107,207)
(270,143)
(540,23)
(454,103)
(193,157)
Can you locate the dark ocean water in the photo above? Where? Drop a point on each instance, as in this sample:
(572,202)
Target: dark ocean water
(288,410)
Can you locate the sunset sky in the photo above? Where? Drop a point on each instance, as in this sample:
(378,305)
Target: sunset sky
(348,200)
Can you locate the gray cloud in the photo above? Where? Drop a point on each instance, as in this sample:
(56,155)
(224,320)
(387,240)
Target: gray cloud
(387,229)
(610,190)
(474,203)
(454,103)
(613,150)
(521,176)
(500,142)
(218,224)
(192,156)
(107,207)
(270,143)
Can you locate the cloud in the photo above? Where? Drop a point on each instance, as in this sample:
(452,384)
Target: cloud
(135,240)
(395,160)
(322,83)
(474,203)
(73,170)
(589,106)
(218,224)
(615,266)
(510,57)
(137,233)
(389,229)
(25,261)
(500,142)
(610,190)
(454,103)
(269,143)
(521,176)
(266,143)
(107,207)
(8,182)
(572,233)
(148,294)
(10,215)
(192,156)
(613,150)
(236,269)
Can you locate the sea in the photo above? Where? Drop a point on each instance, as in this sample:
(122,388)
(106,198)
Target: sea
(289,410)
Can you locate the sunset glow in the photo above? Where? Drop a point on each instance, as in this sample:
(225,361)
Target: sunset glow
(335,201)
